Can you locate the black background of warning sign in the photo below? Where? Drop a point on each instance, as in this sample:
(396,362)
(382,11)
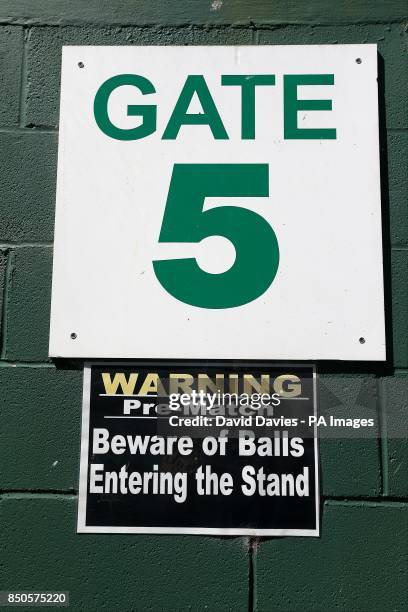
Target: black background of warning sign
(199,511)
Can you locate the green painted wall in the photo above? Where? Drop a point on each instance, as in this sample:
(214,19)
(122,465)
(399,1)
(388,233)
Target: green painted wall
(360,562)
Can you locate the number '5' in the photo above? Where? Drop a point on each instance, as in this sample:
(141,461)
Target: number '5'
(256,246)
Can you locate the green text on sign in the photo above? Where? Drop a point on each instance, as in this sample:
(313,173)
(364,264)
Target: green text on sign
(256,246)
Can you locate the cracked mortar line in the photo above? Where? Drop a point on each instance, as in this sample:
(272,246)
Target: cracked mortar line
(23,79)
(383,439)
(6,300)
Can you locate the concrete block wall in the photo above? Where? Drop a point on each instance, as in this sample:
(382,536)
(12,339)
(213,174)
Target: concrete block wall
(359,563)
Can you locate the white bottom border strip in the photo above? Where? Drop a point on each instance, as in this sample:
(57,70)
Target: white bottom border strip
(201,531)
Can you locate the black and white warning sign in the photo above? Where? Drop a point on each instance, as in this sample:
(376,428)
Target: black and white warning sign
(199,449)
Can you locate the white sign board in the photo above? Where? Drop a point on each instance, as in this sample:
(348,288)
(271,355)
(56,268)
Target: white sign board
(218,202)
